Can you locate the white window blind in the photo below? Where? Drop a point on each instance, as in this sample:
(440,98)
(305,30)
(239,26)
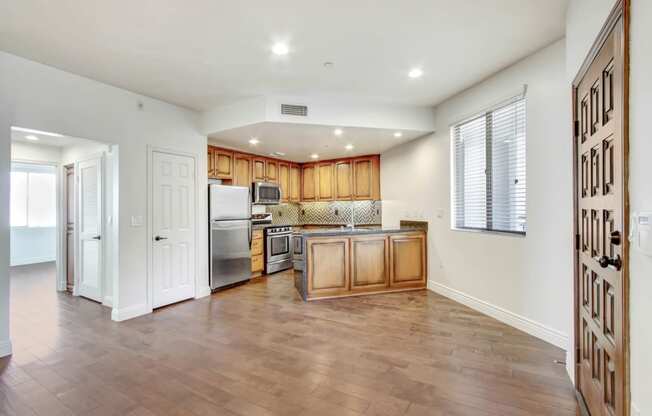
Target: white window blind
(33,196)
(489,189)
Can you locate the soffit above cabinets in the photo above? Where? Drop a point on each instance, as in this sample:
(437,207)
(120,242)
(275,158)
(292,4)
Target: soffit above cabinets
(298,142)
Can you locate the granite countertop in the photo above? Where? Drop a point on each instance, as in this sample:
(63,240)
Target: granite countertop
(357,231)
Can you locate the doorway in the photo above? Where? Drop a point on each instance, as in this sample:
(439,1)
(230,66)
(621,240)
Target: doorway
(58,197)
(600,111)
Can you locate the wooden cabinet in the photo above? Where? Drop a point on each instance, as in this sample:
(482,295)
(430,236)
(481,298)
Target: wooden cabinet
(223,164)
(308,188)
(259,169)
(407,254)
(341,266)
(343,181)
(330,180)
(369,263)
(242,170)
(328,266)
(284,181)
(271,170)
(325,176)
(257,257)
(295,183)
(366,178)
(210,161)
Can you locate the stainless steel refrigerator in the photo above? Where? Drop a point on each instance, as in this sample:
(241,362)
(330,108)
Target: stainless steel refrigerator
(229,209)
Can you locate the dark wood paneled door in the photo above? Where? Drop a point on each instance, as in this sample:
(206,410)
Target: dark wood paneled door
(601,287)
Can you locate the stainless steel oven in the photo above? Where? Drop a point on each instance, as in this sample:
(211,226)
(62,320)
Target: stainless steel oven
(278,249)
(265,193)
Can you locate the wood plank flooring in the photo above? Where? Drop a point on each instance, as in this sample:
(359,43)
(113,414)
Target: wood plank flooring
(258,350)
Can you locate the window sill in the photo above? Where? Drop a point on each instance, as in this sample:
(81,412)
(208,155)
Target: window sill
(501,233)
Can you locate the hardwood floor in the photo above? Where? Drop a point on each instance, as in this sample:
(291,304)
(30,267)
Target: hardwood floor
(257,350)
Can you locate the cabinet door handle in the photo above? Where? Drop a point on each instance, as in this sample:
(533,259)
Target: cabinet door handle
(159,238)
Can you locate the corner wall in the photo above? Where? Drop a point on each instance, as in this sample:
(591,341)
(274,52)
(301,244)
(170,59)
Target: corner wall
(44,98)
(5,168)
(524,281)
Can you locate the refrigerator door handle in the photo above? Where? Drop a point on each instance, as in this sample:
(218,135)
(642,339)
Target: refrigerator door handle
(250,233)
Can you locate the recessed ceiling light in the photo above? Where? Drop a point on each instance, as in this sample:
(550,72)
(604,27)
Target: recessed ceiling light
(254,141)
(349,147)
(32,138)
(338,132)
(398,134)
(280,49)
(43,133)
(314,156)
(415,73)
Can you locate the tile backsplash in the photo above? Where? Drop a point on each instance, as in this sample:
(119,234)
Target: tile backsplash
(327,213)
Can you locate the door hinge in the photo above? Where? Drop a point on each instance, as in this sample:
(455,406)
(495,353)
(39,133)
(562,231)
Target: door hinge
(576,128)
(577,241)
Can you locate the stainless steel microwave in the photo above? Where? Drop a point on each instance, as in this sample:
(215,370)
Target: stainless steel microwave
(266,193)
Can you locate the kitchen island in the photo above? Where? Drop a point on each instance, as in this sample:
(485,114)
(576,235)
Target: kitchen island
(342,262)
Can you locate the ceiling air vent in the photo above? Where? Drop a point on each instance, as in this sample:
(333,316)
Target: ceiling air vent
(294,110)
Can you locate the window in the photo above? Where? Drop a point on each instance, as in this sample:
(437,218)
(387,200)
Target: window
(489,180)
(33,196)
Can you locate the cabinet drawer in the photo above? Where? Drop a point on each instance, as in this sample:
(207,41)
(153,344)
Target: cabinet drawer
(256,246)
(257,263)
(257,235)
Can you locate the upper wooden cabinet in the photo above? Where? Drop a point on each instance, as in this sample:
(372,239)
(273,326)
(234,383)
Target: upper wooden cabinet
(325,176)
(330,180)
(284,180)
(295,183)
(259,171)
(242,170)
(271,170)
(308,188)
(223,162)
(343,180)
(366,178)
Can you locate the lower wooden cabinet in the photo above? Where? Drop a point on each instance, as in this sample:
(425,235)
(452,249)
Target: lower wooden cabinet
(407,255)
(376,263)
(257,252)
(369,263)
(328,266)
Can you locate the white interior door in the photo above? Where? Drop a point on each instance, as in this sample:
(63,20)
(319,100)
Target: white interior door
(173,228)
(89,174)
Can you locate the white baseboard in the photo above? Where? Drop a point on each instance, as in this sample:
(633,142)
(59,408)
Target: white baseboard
(108,301)
(31,260)
(635,411)
(527,325)
(129,312)
(5,348)
(202,292)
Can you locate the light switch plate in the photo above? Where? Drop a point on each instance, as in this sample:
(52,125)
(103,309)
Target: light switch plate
(137,221)
(643,232)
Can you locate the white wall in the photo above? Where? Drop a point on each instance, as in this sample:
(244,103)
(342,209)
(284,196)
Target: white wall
(27,152)
(5,167)
(525,279)
(584,21)
(44,98)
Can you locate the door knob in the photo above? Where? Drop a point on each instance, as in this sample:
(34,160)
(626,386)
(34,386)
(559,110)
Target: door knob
(605,262)
(159,238)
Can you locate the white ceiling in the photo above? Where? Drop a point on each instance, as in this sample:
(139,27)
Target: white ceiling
(205,53)
(299,141)
(46,140)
